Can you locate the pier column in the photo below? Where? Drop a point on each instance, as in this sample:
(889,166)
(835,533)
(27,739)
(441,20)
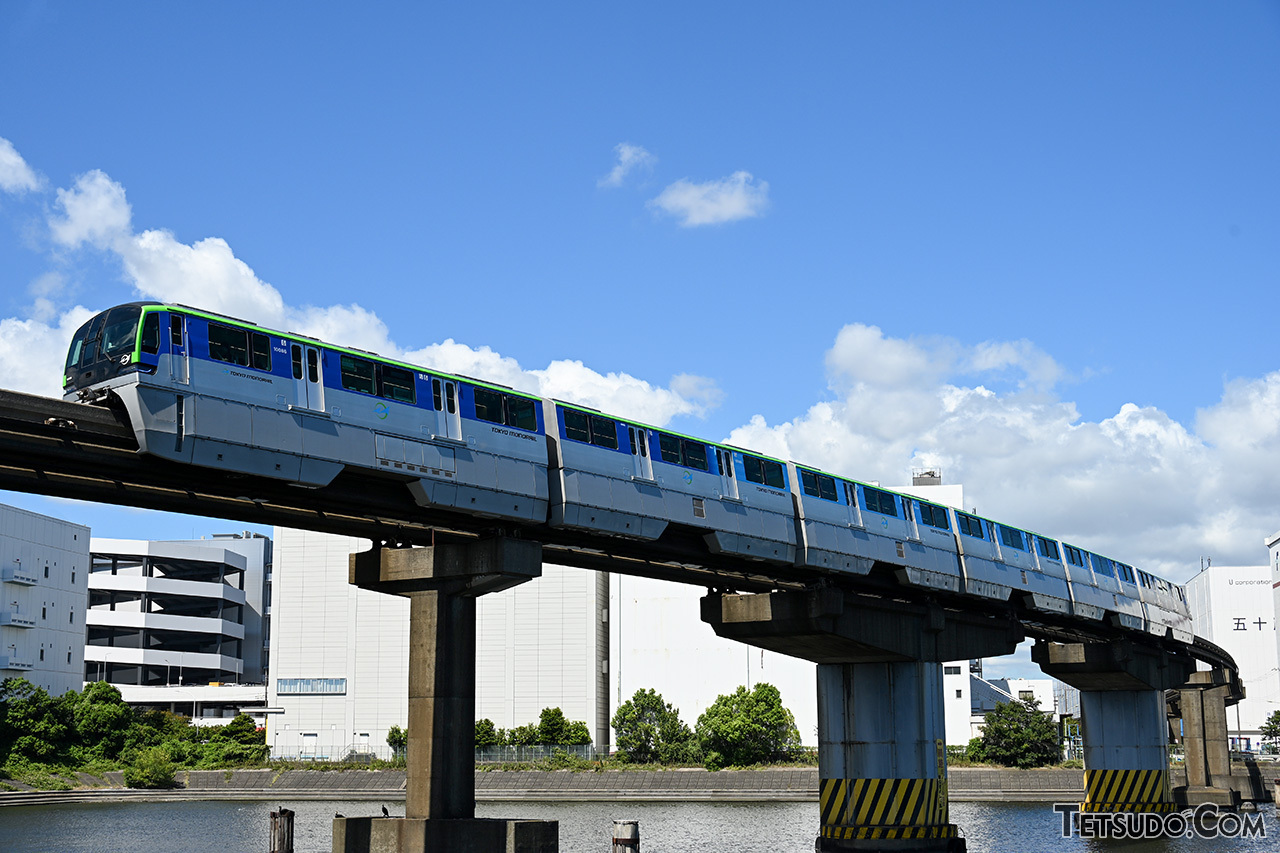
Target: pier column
(442,583)
(1202,703)
(882,757)
(881,735)
(1123,722)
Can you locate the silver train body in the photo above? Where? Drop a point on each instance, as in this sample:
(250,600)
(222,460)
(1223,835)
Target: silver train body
(212,391)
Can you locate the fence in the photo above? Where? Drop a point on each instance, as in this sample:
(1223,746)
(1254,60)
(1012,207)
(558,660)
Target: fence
(507,754)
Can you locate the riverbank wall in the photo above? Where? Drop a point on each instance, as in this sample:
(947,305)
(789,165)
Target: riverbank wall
(965,784)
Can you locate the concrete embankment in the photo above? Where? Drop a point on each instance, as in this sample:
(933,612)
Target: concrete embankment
(791,784)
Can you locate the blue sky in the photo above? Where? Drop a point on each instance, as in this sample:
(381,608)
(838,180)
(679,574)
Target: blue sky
(1031,244)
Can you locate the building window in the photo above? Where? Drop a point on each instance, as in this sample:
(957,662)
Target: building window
(71,617)
(73,577)
(951,670)
(959,694)
(68,656)
(46,571)
(311,686)
(44,612)
(42,654)
(1026,695)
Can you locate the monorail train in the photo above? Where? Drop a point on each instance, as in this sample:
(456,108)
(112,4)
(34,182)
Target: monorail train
(211,390)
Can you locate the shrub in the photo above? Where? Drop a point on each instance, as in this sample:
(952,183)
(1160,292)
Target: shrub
(151,769)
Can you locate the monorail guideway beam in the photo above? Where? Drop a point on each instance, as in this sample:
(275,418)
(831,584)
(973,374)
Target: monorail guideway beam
(1123,722)
(881,732)
(442,583)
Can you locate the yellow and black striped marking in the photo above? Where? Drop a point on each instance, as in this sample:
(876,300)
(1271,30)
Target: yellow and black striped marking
(883,804)
(1127,791)
(849,832)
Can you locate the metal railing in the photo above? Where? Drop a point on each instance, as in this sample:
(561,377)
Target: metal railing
(508,754)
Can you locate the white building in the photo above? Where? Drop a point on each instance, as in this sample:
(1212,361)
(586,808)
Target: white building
(957,700)
(44,567)
(171,623)
(339,655)
(1232,606)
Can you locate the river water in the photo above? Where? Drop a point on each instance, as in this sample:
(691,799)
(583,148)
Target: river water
(241,827)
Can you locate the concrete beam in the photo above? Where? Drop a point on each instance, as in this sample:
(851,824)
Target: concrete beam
(461,568)
(834,626)
(1119,665)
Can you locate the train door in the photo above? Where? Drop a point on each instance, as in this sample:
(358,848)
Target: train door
(640,460)
(728,482)
(909,513)
(851,501)
(444,397)
(307,381)
(179,356)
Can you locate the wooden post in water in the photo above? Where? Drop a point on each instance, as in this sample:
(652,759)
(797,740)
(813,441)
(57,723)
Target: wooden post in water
(282,831)
(626,836)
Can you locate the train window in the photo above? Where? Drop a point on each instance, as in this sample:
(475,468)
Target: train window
(851,494)
(522,414)
(631,435)
(357,374)
(77,344)
(1125,573)
(818,485)
(764,471)
(313,366)
(827,487)
(1144,579)
(295,359)
(1047,548)
(435,395)
(396,383)
(1012,538)
(175,330)
(881,502)
(260,351)
(695,454)
(120,332)
(809,482)
(644,445)
(450,397)
(488,405)
(575,425)
(934,516)
(604,432)
(1074,557)
(1102,566)
(669,447)
(228,344)
(151,333)
(970,526)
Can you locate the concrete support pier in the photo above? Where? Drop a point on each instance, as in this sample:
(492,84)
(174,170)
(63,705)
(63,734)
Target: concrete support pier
(882,757)
(1202,702)
(882,764)
(1123,721)
(442,583)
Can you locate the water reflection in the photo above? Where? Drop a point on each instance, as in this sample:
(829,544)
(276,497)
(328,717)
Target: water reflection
(218,827)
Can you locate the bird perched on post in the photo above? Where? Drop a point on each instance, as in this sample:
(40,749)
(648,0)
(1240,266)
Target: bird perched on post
(385,813)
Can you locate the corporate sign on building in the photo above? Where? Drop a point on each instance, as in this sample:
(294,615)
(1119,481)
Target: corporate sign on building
(1233,607)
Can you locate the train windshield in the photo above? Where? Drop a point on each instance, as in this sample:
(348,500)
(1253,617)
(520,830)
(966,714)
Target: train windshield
(105,336)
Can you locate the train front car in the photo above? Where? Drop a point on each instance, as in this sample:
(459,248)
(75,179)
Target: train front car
(108,351)
(1165,606)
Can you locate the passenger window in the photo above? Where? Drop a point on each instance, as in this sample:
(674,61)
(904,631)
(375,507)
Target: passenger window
(295,357)
(881,502)
(934,516)
(313,366)
(357,374)
(604,432)
(450,397)
(754,470)
(1047,548)
(669,448)
(809,482)
(575,425)
(1012,538)
(151,334)
(764,471)
(175,330)
(261,345)
(397,384)
(695,454)
(522,414)
(489,405)
(970,526)
(228,345)
(826,487)
(435,395)
(644,445)
(631,434)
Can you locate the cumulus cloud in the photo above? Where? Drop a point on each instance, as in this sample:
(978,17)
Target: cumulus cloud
(1137,485)
(630,158)
(738,196)
(15,175)
(94,215)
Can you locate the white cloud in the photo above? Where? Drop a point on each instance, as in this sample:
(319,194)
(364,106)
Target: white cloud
(630,158)
(15,175)
(1138,485)
(32,351)
(94,211)
(729,199)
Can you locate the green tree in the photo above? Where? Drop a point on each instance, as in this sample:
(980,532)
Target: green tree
(554,729)
(398,740)
(1270,732)
(649,729)
(526,735)
(747,727)
(35,726)
(487,734)
(1017,734)
(151,769)
(242,730)
(101,719)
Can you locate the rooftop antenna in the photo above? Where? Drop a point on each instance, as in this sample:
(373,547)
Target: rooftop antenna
(1205,562)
